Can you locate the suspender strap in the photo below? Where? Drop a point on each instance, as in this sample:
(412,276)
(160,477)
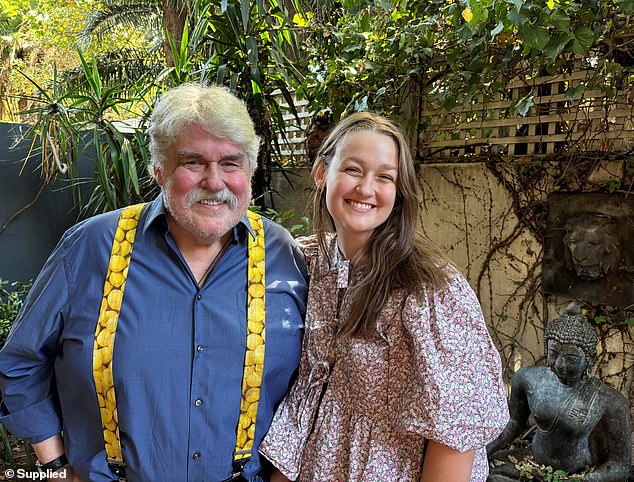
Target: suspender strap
(114,286)
(256,336)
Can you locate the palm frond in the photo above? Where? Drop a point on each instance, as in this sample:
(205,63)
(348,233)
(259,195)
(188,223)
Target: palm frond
(114,13)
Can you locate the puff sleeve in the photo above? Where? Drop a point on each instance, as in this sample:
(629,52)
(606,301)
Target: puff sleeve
(457,370)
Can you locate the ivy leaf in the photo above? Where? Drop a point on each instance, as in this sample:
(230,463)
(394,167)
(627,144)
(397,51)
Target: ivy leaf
(518,17)
(560,20)
(629,321)
(498,28)
(536,36)
(582,40)
(557,44)
(573,93)
(523,105)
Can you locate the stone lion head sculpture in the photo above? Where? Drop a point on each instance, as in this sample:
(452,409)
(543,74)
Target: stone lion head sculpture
(591,245)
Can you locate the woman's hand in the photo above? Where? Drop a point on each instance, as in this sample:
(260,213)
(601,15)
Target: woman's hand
(444,464)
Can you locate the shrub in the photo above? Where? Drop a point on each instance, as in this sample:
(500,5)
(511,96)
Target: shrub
(12,295)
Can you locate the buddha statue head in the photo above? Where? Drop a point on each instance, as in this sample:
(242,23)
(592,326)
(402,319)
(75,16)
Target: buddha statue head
(570,344)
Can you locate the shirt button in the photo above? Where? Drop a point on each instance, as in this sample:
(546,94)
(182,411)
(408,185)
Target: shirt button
(198,402)
(196,456)
(199,297)
(199,348)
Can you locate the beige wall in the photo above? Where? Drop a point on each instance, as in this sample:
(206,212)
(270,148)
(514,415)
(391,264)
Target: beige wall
(469,214)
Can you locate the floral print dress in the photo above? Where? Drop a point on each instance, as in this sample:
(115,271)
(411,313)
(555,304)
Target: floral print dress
(363,409)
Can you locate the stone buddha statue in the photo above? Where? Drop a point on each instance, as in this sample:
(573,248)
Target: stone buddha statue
(581,424)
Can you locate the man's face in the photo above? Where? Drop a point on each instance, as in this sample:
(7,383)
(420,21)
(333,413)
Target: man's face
(206,185)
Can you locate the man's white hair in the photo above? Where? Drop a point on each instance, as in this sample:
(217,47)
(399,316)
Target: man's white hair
(213,108)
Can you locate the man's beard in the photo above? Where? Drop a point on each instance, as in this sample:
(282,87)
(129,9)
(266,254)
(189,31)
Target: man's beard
(185,218)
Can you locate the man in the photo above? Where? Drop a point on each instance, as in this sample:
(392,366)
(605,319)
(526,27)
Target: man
(211,296)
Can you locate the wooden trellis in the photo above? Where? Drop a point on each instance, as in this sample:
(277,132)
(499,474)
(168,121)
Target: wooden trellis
(593,121)
(293,147)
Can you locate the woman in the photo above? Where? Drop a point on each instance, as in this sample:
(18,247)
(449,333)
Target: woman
(399,379)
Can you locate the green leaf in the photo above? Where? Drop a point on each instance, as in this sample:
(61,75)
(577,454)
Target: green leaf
(385,4)
(535,36)
(498,28)
(131,163)
(365,22)
(244,7)
(629,321)
(600,319)
(252,51)
(627,6)
(560,20)
(518,17)
(557,44)
(300,20)
(523,105)
(517,3)
(613,186)
(582,40)
(550,4)
(573,93)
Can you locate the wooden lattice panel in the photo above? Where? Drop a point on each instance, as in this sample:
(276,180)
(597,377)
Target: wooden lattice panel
(293,148)
(594,121)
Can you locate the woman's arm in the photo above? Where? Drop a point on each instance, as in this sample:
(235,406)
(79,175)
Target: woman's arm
(444,464)
(277,476)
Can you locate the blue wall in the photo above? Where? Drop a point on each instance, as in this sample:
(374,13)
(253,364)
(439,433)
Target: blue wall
(29,239)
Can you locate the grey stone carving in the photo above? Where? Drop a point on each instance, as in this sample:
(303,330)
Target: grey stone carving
(588,248)
(591,245)
(581,424)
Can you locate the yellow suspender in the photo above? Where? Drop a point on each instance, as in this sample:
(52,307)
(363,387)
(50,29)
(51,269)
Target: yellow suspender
(256,336)
(113,288)
(105,331)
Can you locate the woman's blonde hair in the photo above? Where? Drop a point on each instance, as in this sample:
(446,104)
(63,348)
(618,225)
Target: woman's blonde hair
(398,253)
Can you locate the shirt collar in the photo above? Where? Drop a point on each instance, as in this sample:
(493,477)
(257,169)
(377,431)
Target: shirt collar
(157,211)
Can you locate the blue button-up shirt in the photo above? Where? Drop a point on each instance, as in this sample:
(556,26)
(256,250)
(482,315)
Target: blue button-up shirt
(178,355)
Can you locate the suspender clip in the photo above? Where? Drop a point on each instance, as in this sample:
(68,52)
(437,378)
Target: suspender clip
(236,473)
(118,467)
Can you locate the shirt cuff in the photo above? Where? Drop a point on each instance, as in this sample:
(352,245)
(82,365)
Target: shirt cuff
(34,423)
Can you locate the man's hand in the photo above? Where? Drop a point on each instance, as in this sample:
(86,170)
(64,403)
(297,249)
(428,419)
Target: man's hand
(71,475)
(50,449)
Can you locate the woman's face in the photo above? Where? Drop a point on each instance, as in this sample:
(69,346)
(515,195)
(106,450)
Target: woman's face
(361,183)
